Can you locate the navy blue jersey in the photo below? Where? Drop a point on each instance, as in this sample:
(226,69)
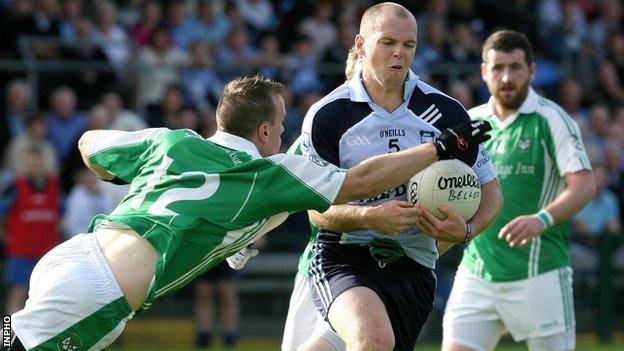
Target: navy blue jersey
(346,127)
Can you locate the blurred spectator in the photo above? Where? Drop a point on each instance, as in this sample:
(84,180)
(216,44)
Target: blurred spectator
(71,11)
(237,53)
(188,118)
(151,15)
(608,20)
(31,204)
(571,98)
(209,26)
(435,11)
(112,37)
(612,69)
(601,216)
(435,48)
(294,119)
(301,71)
(336,55)
(90,83)
(598,130)
(85,200)
(130,12)
(98,117)
(200,80)
(166,113)
(258,14)
(65,124)
(562,28)
(35,136)
(16,109)
(271,60)
(121,118)
(460,91)
(319,28)
(180,24)
(43,22)
(11,21)
(159,64)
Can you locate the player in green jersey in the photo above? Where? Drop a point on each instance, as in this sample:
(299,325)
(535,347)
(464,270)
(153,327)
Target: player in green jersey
(193,202)
(516,277)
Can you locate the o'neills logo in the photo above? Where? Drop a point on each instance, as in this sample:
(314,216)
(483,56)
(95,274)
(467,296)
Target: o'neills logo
(458,182)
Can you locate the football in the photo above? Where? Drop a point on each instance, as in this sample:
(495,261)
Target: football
(448,182)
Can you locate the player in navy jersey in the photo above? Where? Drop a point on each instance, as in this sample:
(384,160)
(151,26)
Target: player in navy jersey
(369,265)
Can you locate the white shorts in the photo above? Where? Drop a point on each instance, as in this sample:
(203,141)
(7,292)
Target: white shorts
(304,320)
(74,300)
(539,310)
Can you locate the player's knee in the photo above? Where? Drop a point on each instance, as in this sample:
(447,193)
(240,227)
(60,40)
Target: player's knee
(380,340)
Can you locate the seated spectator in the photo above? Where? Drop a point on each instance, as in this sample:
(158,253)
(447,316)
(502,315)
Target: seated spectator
(336,56)
(201,82)
(301,71)
(612,69)
(319,28)
(258,14)
(601,216)
(271,61)
(234,57)
(121,118)
(159,64)
(98,117)
(71,11)
(209,26)
(85,200)
(90,83)
(35,136)
(112,37)
(16,109)
(30,207)
(43,22)
(151,15)
(65,124)
(166,113)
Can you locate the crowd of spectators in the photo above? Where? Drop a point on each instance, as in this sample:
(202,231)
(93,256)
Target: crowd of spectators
(133,64)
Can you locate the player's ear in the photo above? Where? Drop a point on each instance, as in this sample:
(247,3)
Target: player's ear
(263,131)
(359,45)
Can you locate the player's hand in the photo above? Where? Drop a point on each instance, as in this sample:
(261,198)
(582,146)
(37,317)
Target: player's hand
(521,230)
(392,217)
(239,259)
(451,229)
(461,138)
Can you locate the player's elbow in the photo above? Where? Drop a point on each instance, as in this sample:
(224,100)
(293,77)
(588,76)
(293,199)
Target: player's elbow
(355,188)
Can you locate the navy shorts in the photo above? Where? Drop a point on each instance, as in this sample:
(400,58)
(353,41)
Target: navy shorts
(405,287)
(18,270)
(219,272)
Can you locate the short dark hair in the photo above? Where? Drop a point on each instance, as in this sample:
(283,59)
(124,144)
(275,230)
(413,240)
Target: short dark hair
(246,103)
(507,41)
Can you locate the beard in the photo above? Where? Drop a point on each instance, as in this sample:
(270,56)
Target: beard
(514,100)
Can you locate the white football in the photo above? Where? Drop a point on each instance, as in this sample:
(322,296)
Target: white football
(448,182)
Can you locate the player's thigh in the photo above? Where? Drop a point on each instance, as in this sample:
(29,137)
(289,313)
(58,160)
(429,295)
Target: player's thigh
(539,306)
(302,316)
(74,300)
(563,341)
(358,313)
(470,319)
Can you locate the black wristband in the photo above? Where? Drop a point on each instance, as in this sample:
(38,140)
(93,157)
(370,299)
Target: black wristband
(468,234)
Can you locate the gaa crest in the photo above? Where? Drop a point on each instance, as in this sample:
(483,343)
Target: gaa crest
(524,144)
(70,343)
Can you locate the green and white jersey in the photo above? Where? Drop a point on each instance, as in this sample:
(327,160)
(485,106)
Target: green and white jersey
(199,201)
(531,152)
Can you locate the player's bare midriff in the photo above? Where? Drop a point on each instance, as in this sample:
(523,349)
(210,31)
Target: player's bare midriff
(132,260)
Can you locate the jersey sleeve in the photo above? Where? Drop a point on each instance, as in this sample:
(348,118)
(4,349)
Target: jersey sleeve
(119,153)
(319,137)
(483,167)
(570,152)
(302,182)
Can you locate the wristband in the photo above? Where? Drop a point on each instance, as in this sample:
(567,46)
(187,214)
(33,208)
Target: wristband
(546,218)
(468,233)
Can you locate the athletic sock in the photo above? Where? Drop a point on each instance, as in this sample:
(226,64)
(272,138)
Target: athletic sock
(204,339)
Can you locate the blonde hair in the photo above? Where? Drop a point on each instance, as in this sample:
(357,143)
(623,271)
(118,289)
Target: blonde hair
(352,61)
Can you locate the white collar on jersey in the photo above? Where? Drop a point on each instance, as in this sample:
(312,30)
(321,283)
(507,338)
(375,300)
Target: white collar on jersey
(357,91)
(529,105)
(235,142)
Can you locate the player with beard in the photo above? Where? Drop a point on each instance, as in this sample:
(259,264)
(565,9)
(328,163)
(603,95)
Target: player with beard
(516,277)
